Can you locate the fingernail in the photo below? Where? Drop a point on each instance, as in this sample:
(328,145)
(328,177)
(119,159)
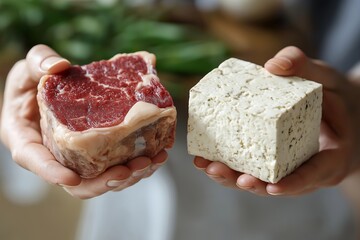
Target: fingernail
(50,62)
(274,193)
(240,184)
(217,178)
(281,62)
(155,166)
(199,168)
(149,173)
(68,191)
(270,190)
(247,188)
(115,183)
(118,189)
(63,185)
(140,172)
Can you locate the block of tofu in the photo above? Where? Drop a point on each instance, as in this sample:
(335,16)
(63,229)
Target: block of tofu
(253,121)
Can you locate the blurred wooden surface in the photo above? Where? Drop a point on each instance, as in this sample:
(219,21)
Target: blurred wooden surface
(254,41)
(55,217)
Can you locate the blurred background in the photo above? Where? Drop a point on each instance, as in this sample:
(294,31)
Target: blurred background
(189,39)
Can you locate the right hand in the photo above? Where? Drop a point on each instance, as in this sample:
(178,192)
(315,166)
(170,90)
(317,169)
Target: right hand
(339,153)
(20,132)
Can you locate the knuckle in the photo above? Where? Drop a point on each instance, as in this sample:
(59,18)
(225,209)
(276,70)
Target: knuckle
(17,156)
(19,66)
(3,134)
(35,49)
(293,49)
(19,63)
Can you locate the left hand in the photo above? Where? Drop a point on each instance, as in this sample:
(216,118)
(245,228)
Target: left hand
(20,132)
(339,135)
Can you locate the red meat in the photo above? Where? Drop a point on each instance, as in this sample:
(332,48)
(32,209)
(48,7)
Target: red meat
(105,113)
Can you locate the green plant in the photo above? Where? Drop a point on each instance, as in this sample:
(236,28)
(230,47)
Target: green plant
(84,31)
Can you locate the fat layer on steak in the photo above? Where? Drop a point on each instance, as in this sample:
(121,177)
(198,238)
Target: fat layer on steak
(106,113)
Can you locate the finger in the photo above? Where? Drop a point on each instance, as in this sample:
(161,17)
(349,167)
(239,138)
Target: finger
(201,163)
(37,159)
(158,161)
(18,81)
(42,60)
(291,61)
(217,171)
(322,170)
(139,167)
(112,178)
(222,174)
(19,107)
(295,194)
(8,109)
(251,184)
(160,158)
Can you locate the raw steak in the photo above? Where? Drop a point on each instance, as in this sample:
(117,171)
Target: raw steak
(105,113)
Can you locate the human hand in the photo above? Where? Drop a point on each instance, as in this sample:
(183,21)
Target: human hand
(339,135)
(20,132)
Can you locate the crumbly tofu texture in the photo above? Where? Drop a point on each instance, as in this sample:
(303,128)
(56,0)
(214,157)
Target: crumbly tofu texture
(253,121)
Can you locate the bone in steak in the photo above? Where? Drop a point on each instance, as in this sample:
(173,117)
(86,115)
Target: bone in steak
(106,113)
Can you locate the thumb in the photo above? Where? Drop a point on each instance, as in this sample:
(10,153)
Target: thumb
(291,61)
(42,60)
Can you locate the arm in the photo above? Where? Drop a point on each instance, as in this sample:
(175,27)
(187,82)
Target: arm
(20,132)
(339,137)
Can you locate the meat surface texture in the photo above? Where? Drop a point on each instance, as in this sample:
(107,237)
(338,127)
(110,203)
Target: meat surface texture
(105,113)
